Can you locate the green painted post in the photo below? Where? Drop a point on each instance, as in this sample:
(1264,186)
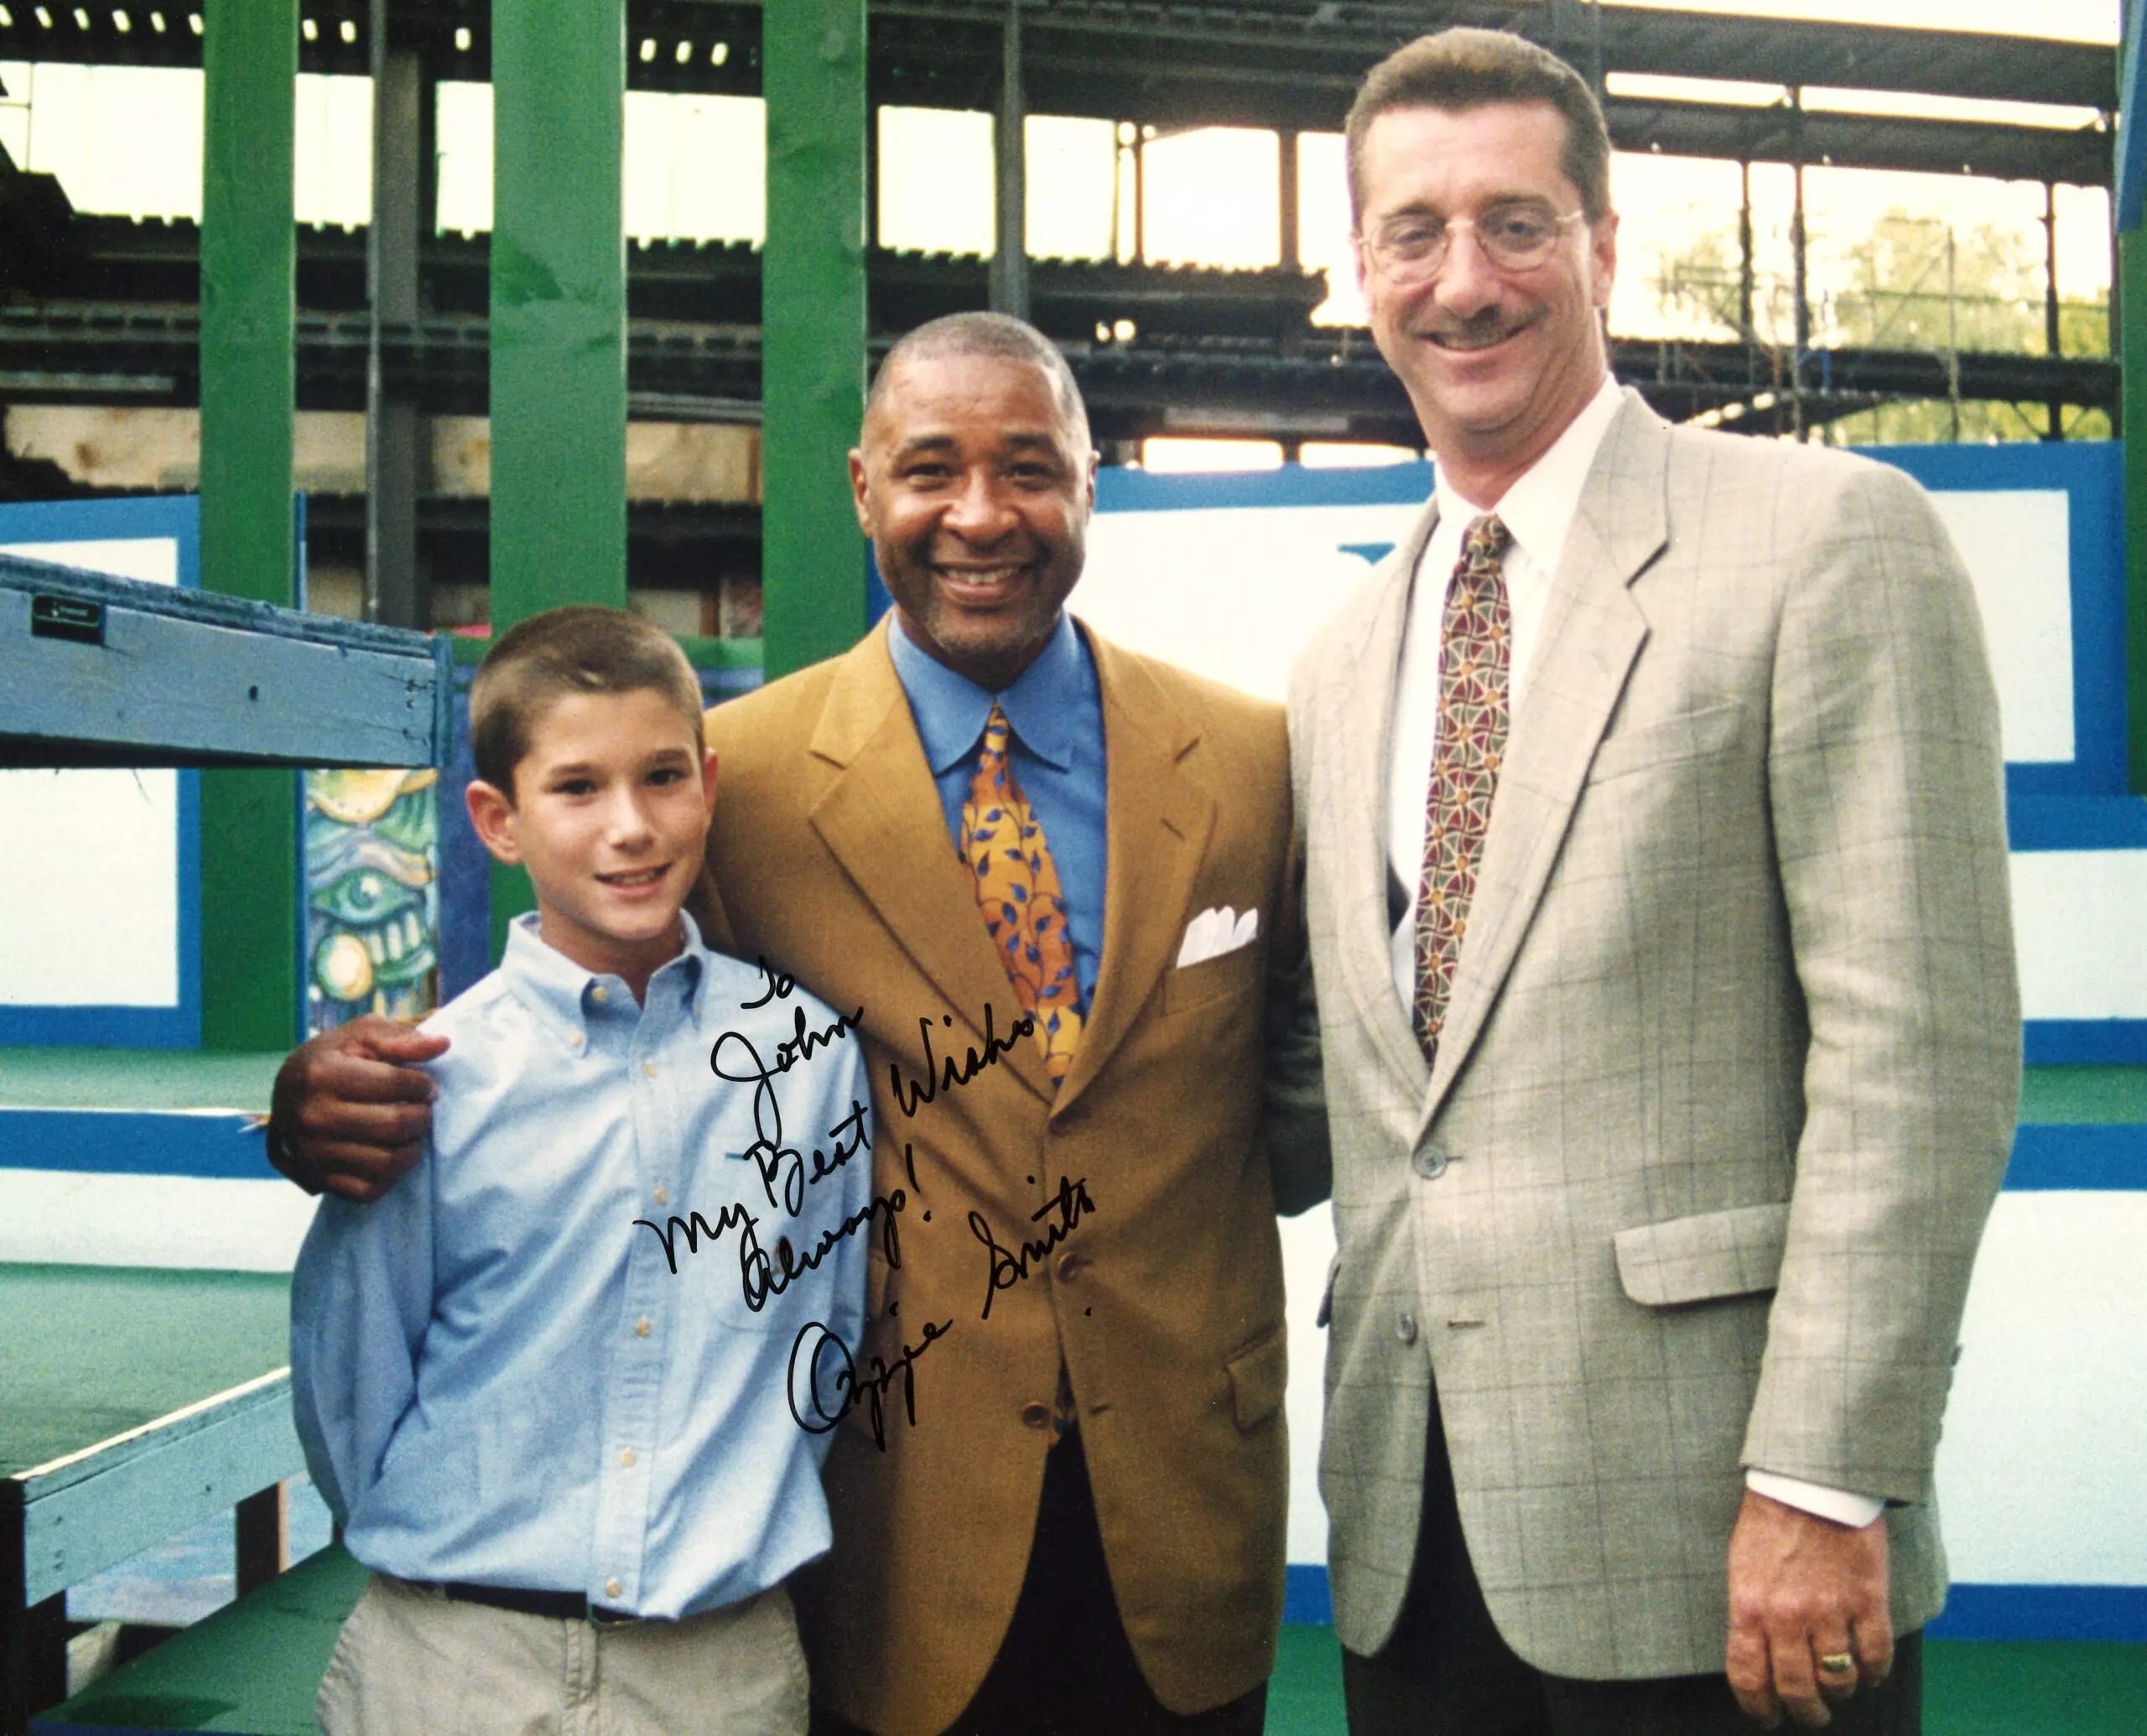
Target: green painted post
(558,306)
(2131,289)
(249,820)
(559,312)
(811,329)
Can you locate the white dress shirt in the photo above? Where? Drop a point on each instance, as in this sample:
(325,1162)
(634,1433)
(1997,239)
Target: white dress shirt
(1537,510)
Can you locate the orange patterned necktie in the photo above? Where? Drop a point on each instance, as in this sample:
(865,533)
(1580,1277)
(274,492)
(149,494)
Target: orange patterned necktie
(1474,654)
(1024,910)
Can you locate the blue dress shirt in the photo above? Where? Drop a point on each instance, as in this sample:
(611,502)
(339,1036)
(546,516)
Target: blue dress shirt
(498,1377)
(1055,713)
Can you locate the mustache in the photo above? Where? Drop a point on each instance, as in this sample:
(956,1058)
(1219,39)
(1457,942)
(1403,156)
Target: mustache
(1484,324)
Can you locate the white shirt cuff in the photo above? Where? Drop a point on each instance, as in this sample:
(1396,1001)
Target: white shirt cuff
(1841,1505)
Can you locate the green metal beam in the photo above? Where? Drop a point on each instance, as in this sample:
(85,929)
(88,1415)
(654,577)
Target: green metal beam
(558,307)
(249,260)
(2132,313)
(811,329)
(559,303)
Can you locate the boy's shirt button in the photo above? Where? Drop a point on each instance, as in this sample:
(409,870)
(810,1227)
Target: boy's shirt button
(600,993)
(664,1196)
(627,1459)
(649,1068)
(641,1326)
(612,1588)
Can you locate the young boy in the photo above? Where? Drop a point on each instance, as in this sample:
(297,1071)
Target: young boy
(542,1385)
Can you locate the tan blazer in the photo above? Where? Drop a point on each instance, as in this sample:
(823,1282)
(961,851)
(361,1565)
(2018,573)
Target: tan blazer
(829,856)
(1727,1081)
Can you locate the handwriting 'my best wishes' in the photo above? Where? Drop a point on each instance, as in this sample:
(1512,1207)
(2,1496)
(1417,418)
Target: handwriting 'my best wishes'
(785,1172)
(826,1380)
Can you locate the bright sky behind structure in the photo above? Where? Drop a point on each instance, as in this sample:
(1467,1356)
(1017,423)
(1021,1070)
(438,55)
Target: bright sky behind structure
(2069,20)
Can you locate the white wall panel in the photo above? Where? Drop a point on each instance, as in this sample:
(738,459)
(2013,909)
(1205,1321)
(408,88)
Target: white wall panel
(1233,593)
(2041,1471)
(67,1218)
(2080,922)
(2016,544)
(89,860)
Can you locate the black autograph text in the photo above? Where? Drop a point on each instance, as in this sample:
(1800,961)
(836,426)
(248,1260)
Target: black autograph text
(1010,1266)
(941,1074)
(824,1352)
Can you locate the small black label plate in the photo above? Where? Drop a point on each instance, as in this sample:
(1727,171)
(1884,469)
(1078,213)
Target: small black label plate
(76,618)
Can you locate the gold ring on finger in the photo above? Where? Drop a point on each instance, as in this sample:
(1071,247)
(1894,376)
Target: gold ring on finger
(1837,1663)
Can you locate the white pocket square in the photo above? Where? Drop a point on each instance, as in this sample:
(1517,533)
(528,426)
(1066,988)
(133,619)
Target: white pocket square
(1215,932)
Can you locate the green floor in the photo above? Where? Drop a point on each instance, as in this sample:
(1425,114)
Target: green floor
(1304,1695)
(93,1350)
(2015,1688)
(251,1667)
(176,1079)
(1971,1688)
(2083,1096)
(134,1079)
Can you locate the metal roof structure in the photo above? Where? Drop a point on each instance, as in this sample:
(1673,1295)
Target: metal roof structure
(1322,385)
(104,310)
(1290,65)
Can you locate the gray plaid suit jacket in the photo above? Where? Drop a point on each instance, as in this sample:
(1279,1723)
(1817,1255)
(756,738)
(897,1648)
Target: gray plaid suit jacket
(1729,1077)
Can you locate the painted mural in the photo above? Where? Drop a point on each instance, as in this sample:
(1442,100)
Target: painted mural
(372,894)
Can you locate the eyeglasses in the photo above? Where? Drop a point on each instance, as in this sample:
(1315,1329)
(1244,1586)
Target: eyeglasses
(1515,236)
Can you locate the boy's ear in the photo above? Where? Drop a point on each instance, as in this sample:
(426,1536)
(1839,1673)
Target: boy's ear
(491,812)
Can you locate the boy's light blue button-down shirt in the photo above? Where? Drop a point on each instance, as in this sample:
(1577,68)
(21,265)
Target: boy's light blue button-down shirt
(1055,711)
(499,1379)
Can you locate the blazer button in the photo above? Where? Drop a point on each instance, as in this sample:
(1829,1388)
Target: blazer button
(1036,1414)
(1431,1163)
(1404,1327)
(1069,1264)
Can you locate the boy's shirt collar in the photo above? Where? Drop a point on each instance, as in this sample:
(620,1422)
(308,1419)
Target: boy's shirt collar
(564,995)
(951,710)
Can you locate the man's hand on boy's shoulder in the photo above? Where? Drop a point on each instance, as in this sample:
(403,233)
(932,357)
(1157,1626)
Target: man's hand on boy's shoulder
(350,1109)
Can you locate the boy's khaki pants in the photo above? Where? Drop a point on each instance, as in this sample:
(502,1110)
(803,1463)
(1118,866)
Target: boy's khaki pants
(411,1662)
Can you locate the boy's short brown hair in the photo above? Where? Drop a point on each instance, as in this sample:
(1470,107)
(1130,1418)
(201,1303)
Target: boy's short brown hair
(579,650)
(1463,68)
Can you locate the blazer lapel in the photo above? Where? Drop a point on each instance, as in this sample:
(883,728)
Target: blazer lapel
(1592,632)
(1359,716)
(1157,821)
(881,819)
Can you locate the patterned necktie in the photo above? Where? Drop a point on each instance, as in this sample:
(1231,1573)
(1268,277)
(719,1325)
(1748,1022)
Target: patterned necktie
(1024,910)
(1475,642)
